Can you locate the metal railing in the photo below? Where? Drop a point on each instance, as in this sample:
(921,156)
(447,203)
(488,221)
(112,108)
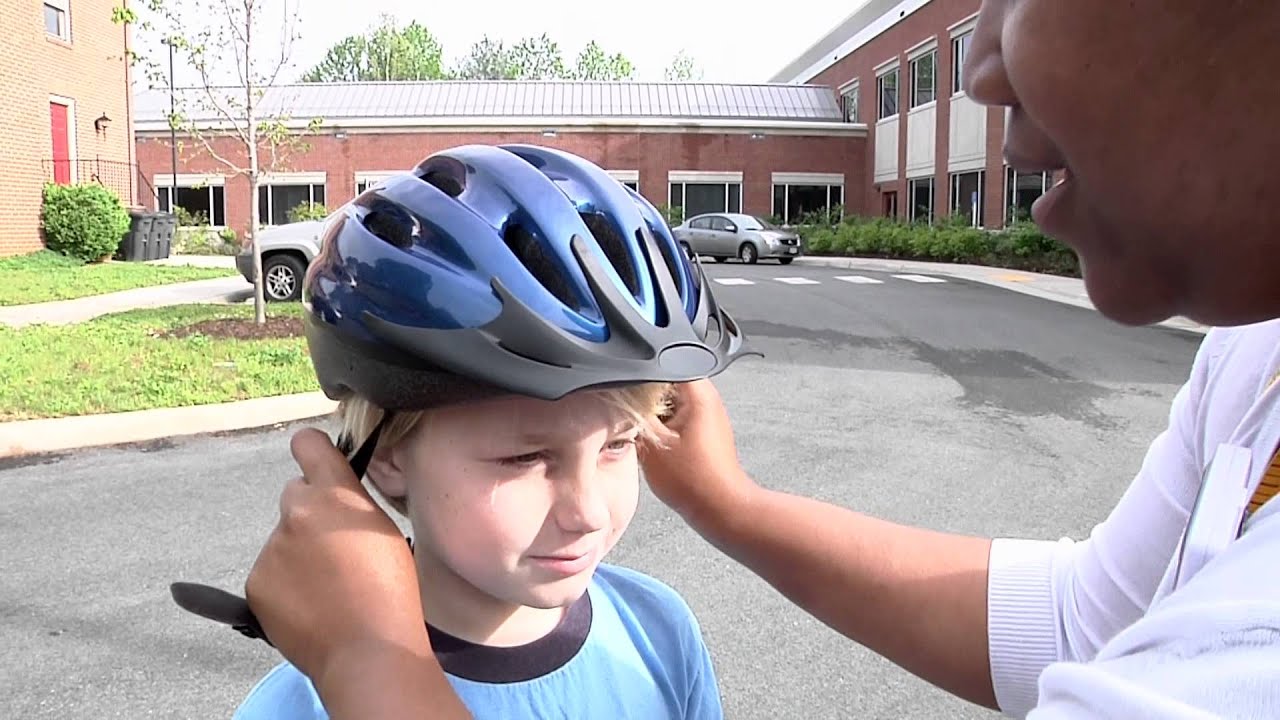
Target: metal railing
(123,178)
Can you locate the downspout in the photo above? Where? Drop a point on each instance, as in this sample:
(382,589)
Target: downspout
(131,139)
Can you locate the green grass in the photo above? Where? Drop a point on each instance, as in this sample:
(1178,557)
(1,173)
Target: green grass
(45,276)
(120,362)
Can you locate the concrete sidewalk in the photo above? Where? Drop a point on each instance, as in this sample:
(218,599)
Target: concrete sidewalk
(64,312)
(1066,290)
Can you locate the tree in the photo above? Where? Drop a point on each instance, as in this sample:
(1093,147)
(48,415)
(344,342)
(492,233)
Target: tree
(231,123)
(594,64)
(540,58)
(682,68)
(384,52)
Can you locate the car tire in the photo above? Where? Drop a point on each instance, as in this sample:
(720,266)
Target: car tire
(747,253)
(282,278)
(785,261)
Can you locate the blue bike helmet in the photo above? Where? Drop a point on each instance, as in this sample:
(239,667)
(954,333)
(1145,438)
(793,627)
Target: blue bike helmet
(491,270)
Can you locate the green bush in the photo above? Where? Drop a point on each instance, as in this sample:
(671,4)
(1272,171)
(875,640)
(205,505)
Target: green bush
(204,241)
(83,221)
(307,211)
(949,239)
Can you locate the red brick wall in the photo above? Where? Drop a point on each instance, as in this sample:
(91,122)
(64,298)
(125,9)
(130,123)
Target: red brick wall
(930,21)
(90,70)
(653,154)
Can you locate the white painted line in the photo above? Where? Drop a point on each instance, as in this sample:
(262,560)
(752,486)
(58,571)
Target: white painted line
(734,281)
(920,278)
(797,281)
(859,280)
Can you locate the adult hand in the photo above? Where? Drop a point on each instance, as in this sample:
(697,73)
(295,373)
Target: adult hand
(336,577)
(694,469)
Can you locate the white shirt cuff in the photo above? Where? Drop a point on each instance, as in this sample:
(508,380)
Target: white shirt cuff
(1022,623)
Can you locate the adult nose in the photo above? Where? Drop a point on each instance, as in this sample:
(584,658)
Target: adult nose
(986,79)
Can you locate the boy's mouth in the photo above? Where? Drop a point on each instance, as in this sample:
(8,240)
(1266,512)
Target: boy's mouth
(569,563)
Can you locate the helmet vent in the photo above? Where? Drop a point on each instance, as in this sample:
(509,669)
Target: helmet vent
(614,248)
(539,263)
(391,223)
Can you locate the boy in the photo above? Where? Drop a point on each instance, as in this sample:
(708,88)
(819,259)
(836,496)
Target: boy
(502,326)
(514,502)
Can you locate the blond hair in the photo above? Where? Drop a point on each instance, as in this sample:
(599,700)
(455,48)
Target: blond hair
(642,404)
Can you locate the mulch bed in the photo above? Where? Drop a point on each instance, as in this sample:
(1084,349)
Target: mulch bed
(241,328)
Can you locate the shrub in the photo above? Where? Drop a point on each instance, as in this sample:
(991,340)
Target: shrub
(204,241)
(307,211)
(948,239)
(86,221)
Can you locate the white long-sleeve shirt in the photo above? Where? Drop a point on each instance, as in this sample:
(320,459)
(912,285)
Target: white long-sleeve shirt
(1091,629)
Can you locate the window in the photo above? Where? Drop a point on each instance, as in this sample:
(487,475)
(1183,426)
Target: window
(1021,191)
(924,86)
(921,191)
(205,203)
(849,103)
(366,179)
(705,197)
(630,178)
(959,52)
(55,19)
(633,185)
(792,202)
(277,198)
(967,193)
(887,90)
(702,223)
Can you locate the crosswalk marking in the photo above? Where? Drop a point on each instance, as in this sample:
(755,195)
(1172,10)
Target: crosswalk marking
(797,281)
(734,281)
(859,280)
(920,278)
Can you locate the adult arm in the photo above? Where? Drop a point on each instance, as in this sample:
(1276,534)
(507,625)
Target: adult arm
(976,618)
(336,591)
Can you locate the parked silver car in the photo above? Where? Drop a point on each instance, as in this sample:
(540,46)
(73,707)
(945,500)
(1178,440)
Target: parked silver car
(287,250)
(746,237)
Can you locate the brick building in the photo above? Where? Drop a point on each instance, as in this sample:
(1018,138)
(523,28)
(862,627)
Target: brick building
(765,149)
(897,66)
(64,108)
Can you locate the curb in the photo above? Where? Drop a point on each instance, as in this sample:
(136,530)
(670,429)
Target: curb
(48,435)
(1019,281)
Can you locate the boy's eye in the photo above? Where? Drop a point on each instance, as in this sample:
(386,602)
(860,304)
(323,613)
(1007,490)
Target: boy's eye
(525,459)
(621,444)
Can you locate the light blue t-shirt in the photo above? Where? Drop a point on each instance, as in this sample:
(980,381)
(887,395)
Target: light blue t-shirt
(642,656)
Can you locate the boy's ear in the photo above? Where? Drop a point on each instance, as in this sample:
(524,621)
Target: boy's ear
(386,472)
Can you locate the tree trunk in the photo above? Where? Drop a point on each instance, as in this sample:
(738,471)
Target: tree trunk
(255,214)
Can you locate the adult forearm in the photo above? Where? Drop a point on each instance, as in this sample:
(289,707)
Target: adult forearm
(915,596)
(388,684)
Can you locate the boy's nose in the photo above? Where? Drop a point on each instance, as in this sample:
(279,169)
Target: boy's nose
(582,504)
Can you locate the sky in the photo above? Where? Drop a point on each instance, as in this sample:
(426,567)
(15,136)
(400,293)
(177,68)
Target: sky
(728,42)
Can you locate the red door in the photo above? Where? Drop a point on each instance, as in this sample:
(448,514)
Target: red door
(61,143)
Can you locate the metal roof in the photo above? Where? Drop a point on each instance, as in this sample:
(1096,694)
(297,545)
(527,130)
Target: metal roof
(864,24)
(462,99)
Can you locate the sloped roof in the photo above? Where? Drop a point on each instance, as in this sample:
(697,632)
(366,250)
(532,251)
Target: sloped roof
(462,100)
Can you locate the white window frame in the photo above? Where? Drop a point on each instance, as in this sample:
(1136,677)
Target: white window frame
(851,94)
(626,176)
(933,197)
(188,181)
(975,218)
(786,180)
(1011,189)
(270,180)
(369,177)
(698,177)
(894,69)
(927,49)
(64,7)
